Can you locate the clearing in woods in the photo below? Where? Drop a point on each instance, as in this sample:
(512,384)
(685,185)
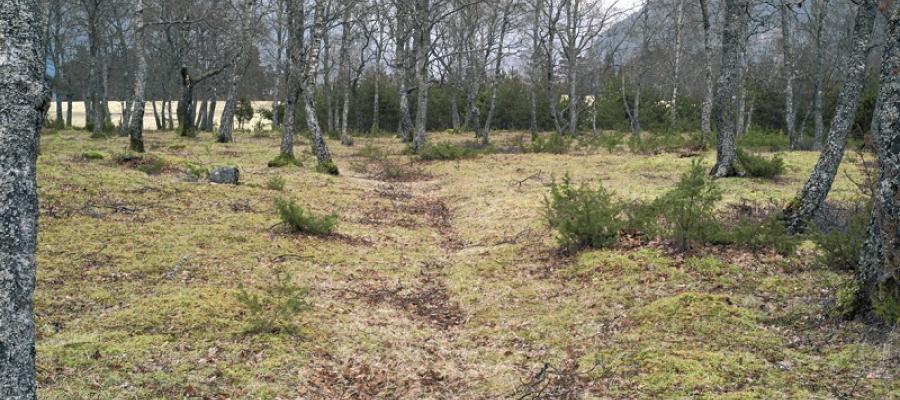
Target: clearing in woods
(440,282)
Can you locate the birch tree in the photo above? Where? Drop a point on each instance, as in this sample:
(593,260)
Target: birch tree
(813,194)
(296,19)
(706,106)
(729,76)
(136,129)
(238,67)
(311,61)
(24,98)
(878,274)
(505,10)
(789,71)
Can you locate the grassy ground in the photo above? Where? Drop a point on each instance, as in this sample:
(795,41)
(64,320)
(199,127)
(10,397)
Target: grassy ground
(446,286)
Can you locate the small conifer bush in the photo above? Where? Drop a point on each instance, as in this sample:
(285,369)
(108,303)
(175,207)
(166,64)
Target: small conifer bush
(299,220)
(760,167)
(275,183)
(582,216)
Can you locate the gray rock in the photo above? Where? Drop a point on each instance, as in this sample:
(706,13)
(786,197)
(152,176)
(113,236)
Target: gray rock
(225,175)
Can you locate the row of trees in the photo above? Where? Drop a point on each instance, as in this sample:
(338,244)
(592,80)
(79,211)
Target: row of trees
(562,49)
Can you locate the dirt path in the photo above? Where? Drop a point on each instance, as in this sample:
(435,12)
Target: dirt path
(421,299)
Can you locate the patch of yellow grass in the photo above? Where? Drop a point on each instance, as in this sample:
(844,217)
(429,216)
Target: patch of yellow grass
(137,276)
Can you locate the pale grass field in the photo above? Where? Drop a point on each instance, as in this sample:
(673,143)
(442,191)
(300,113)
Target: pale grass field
(115,107)
(446,285)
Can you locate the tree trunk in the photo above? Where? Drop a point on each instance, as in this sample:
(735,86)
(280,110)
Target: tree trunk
(295,23)
(878,275)
(69,111)
(211,114)
(495,79)
(200,120)
(535,67)
(24,99)
(676,70)
(60,120)
(344,75)
(729,80)
(328,88)
(136,132)
(94,114)
(423,47)
(226,123)
(376,101)
(789,73)
(706,107)
(454,112)
(818,120)
(572,58)
(159,126)
(170,116)
(402,61)
(320,149)
(636,107)
(162,112)
(185,121)
(816,189)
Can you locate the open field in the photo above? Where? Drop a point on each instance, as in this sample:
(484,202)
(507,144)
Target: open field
(447,286)
(115,108)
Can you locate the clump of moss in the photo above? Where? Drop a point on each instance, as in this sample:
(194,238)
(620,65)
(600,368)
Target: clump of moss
(299,220)
(198,170)
(719,319)
(329,168)
(148,164)
(284,160)
(93,155)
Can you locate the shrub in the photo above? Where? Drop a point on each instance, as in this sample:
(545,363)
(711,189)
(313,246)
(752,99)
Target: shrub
(554,144)
(612,140)
(583,217)
(283,160)
(760,167)
(259,131)
(197,170)
(839,236)
(689,208)
(93,155)
(447,151)
(665,143)
(270,113)
(275,183)
(773,141)
(273,310)
(243,111)
(391,171)
(755,235)
(298,220)
(371,152)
